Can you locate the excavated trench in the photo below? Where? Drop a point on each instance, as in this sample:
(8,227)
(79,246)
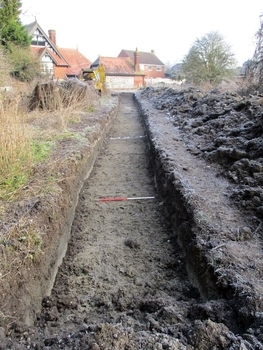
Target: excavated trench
(123,263)
(134,275)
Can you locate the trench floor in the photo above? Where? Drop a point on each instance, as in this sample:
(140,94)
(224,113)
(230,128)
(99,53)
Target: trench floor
(123,282)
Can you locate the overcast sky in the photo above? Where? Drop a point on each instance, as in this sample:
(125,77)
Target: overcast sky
(169,27)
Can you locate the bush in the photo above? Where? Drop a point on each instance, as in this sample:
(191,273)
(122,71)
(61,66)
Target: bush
(24,65)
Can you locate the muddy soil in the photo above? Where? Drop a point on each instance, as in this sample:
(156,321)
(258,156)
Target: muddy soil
(166,272)
(123,265)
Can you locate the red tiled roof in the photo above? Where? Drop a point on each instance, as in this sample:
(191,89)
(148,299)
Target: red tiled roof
(58,60)
(116,65)
(75,60)
(144,57)
(40,51)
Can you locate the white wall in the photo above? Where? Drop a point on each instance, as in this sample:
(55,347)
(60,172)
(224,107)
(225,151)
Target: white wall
(113,82)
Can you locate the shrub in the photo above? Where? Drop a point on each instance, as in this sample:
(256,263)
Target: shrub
(24,65)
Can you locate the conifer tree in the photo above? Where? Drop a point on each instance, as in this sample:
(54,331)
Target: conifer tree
(11,28)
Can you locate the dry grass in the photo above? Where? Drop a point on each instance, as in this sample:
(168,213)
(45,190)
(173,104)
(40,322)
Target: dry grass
(230,84)
(27,170)
(15,158)
(24,141)
(63,97)
(15,153)
(5,79)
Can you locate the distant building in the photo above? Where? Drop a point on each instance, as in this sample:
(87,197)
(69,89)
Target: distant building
(146,62)
(57,63)
(130,69)
(127,71)
(121,72)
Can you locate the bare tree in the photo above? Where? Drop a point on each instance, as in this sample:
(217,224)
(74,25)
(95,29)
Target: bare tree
(209,60)
(254,70)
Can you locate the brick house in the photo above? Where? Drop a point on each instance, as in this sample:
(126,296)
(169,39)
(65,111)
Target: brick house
(121,72)
(146,62)
(57,63)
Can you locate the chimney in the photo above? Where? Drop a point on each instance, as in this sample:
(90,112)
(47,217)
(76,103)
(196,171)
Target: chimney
(137,60)
(153,52)
(52,36)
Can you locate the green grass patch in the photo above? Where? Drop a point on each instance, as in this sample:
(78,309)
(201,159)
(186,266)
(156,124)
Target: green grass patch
(41,149)
(67,135)
(14,174)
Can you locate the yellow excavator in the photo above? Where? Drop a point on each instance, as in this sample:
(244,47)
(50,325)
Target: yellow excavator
(97,75)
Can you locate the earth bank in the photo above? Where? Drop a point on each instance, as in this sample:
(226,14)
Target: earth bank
(24,284)
(200,184)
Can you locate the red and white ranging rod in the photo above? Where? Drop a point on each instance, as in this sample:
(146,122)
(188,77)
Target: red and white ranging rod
(115,199)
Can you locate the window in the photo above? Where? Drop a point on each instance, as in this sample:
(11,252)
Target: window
(47,59)
(159,68)
(38,39)
(47,66)
(149,67)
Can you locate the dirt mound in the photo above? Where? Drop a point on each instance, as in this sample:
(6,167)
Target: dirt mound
(197,142)
(224,129)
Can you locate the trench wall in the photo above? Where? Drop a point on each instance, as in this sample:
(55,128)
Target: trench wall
(78,171)
(180,212)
